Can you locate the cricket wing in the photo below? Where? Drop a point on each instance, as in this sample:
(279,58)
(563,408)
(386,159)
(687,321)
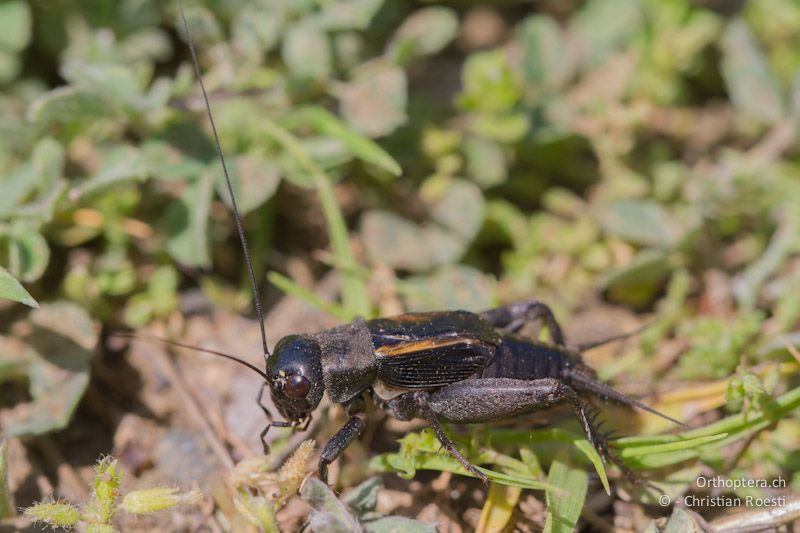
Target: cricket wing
(433,362)
(431,326)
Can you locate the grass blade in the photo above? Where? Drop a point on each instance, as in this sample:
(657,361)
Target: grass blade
(362,147)
(355,299)
(290,287)
(563,511)
(499,507)
(6,509)
(669,447)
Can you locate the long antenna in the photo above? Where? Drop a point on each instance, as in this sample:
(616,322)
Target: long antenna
(190,347)
(242,238)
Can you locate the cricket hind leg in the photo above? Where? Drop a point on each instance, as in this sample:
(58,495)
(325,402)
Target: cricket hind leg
(425,410)
(416,404)
(481,400)
(513,317)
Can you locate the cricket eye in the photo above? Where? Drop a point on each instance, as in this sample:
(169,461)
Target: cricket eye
(296,386)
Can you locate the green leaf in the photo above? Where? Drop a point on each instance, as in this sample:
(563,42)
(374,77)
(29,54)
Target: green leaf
(10,66)
(329,153)
(257,28)
(306,51)
(16,24)
(28,254)
(747,284)
(460,209)
(59,515)
(203,26)
(457,217)
(47,159)
(637,282)
(546,61)
(603,26)
(62,340)
(11,289)
(486,162)
(120,164)
(254,180)
(328,514)
(348,14)
(425,32)
(396,524)
(390,239)
(564,507)
(375,101)
(116,83)
(162,286)
(506,128)
(643,222)
(363,148)
(751,84)
(443,462)
(716,344)
(509,220)
(450,287)
(363,498)
(16,186)
(179,153)
(187,223)
(422,451)
(68,104)
(488,83)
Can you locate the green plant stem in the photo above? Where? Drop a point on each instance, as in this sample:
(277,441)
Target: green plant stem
(355,298)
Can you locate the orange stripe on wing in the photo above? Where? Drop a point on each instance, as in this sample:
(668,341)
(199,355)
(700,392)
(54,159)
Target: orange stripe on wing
(407,348)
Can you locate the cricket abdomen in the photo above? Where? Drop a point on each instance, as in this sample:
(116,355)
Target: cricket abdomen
(520,358)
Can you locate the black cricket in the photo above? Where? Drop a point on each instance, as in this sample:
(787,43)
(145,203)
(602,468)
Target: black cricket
(449,366)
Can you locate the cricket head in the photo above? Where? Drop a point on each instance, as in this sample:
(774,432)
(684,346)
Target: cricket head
(294,373)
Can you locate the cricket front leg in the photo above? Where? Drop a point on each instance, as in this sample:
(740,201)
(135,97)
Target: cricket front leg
(347,434)
(270,422)
(513,317)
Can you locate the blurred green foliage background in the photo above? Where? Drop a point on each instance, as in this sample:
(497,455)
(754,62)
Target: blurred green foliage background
(641,153)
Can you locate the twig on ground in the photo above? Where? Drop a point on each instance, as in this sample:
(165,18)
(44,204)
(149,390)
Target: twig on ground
(167,366)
